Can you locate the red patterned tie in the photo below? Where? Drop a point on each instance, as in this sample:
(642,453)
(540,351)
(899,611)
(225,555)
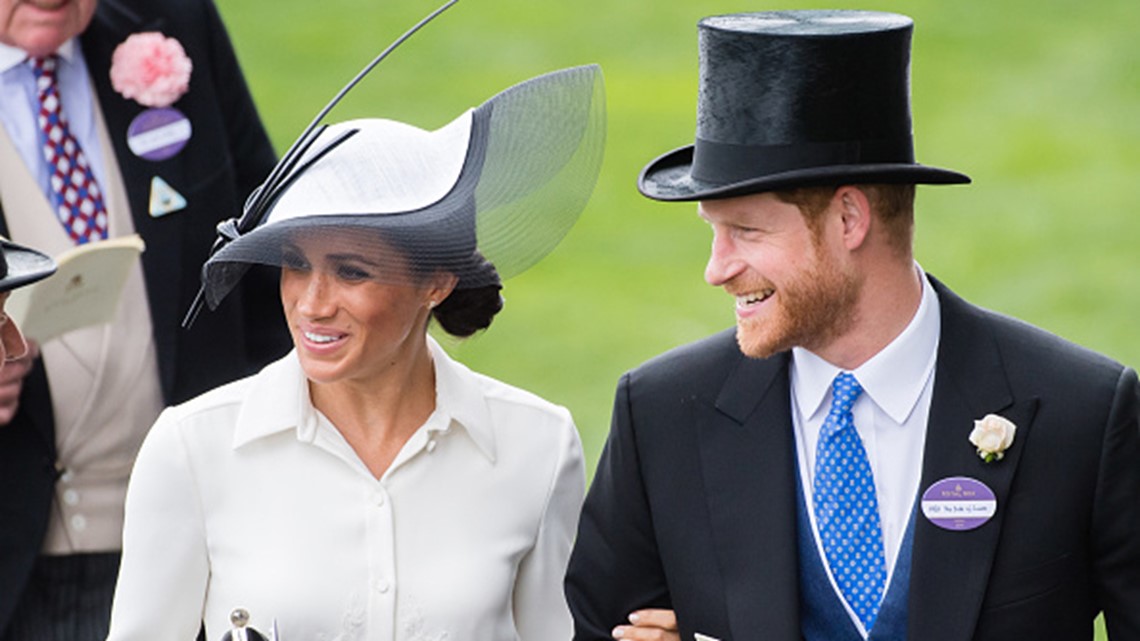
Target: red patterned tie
(75,195)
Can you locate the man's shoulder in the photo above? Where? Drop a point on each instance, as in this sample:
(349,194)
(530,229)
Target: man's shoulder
(702,364)
(1040,354)
(128,14)
(1026,351)
(710,351)
(193,23)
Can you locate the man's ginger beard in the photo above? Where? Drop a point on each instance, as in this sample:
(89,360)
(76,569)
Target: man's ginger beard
(810,310)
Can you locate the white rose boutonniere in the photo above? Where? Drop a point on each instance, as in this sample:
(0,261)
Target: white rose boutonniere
(992,436)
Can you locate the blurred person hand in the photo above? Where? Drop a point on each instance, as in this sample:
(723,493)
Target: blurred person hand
(649,625)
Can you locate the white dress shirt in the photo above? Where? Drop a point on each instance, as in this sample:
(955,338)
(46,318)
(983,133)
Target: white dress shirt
(890,416)
(247,496)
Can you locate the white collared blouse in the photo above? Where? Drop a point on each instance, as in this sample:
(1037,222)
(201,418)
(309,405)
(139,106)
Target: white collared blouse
(248,497)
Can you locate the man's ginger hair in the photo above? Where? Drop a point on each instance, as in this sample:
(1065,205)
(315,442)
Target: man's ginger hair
(893,206)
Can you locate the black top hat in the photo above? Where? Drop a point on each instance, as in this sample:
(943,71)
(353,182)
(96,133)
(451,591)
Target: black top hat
(793,99)
(21,265)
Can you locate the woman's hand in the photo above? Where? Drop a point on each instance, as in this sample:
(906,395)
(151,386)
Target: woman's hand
(649,625)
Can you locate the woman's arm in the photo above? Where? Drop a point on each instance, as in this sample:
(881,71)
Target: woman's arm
(540,607)
(165,567)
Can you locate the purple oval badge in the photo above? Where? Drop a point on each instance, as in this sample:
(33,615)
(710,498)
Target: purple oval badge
(158,134)
(959,503)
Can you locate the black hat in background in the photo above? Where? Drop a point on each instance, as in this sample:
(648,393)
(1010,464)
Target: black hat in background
(794,99)
(21,265)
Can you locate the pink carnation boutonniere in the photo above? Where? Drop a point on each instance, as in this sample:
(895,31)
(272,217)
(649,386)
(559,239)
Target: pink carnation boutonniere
(151,69)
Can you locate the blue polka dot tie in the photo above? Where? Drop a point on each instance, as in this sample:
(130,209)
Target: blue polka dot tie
(846,510)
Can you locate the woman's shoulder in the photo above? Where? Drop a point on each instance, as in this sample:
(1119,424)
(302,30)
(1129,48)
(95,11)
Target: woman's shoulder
(503,398)
(222,398)
(218,408)
(207,430)
(459,383)
(504,393)
(532,435)
(522,423)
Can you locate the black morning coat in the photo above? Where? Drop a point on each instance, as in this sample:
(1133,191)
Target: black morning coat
(693,505)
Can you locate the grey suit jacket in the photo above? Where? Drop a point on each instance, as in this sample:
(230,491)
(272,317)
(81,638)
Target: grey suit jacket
(693,503)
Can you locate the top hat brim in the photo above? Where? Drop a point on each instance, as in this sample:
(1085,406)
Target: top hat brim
(669,178)
(25,266)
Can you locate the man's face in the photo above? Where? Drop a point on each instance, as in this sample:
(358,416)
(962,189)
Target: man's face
(792,287)
(39,27)
(12,345)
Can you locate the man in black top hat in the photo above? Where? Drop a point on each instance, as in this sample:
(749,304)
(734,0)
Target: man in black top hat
(866,455)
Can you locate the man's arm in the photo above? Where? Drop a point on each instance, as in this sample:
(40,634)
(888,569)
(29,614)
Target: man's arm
(615,568)
(1116,514)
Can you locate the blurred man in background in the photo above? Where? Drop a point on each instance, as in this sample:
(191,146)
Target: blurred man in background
(119,117)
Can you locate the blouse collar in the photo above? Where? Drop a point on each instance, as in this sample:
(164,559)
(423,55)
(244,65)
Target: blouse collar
(278,400)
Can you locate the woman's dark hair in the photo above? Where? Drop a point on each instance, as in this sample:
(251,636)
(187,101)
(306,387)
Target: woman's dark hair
(473,303)
(450,246)
(467,311)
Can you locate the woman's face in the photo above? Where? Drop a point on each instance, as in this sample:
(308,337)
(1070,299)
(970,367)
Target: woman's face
(350,319)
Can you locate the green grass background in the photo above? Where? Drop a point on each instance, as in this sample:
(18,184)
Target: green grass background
(1037,100)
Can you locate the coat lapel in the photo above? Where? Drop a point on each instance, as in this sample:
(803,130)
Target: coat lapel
(112,24)
(950,569)
(747,452)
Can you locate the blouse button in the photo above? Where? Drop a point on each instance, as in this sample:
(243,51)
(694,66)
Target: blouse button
(378,499)
(71,497)
(382,586)
(431,446)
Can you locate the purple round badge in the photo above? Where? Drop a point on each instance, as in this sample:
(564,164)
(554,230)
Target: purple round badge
(158,134)
(959,503)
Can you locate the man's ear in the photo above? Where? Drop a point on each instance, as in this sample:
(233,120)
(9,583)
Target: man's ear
(855,215)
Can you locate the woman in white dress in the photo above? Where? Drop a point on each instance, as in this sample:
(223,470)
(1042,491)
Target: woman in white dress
(367,486)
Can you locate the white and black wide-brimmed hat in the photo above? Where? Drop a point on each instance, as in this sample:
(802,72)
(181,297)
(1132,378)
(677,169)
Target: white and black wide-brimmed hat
(21,265)
(793,99)
(502,183)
